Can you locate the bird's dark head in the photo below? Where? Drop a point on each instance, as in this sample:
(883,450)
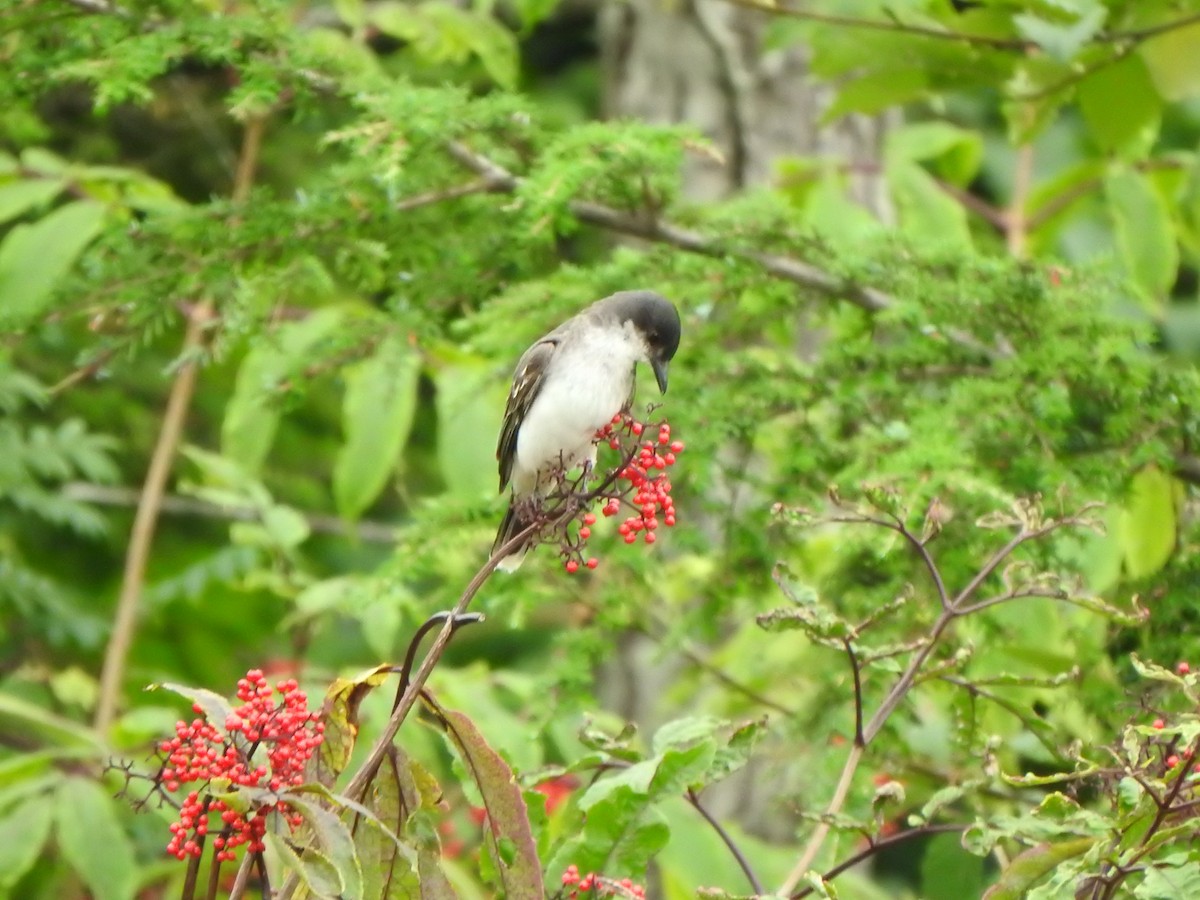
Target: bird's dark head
(656,321)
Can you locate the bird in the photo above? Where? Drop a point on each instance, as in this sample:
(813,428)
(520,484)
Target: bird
(567,386)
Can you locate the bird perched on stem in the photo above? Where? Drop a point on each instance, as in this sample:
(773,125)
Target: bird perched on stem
(569,385)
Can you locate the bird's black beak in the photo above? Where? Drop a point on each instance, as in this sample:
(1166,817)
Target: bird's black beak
(660,374)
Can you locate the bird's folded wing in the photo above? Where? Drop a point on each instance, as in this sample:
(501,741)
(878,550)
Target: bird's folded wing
(527,384)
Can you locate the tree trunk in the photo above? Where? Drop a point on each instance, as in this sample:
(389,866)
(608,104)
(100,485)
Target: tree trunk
(701,62)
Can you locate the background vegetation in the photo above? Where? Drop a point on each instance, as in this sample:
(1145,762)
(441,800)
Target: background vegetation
(264,270)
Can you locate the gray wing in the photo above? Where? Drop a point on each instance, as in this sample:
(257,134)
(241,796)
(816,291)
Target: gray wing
(527,384)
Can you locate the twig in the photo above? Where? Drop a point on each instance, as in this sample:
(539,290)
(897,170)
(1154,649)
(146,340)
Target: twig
(892,26)
(478,186)
(956,608)
(875,847)
(145,519)
(727,839)
(144,522)
(652,229)
(822,830)
(361,781)
(1016,224)
(858,698)
(173,504)
(243,877)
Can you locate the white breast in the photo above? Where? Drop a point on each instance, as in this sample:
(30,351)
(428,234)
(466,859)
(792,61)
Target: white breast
(591,378)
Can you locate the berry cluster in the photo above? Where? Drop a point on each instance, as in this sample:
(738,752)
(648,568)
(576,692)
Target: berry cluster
(265,745)
(641,484)
(599,886)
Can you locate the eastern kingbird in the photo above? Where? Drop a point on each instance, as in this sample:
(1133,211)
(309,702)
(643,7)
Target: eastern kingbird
(569,385)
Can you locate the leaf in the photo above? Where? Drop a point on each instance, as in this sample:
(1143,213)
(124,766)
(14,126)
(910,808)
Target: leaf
(1121,107)
(93,841)
(954,154)
(19,196)
(22,722)
(339,715)
(1173,63)
(877,91)
(1146,528)
(23,831)
(1144,236)
(926,212)
(1031,866)
(469,416)
(948,872)
(251,416)
(331,836)
(518,868)
(318,874)
(1062,40)
(377,415)
(216,709)
(35,257)
(493,44)
(391,797)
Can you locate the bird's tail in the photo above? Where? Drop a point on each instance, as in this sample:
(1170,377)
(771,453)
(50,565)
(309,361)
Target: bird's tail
(512,525)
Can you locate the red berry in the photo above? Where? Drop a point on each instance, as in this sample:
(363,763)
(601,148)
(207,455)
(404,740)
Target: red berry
(572,567)
(1172,761)
(1183,668)
(589,518)
(585,533)
(650,537)
(1158,723)
(592,562)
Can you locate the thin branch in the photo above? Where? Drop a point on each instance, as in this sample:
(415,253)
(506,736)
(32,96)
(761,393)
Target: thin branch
(172,504)
(478,186)
(144,523)
(858,696)
(1016,224)
(652,229)
(892,26)
(875,847)
(727,839)
(366,772)
(243,877)
(822,830)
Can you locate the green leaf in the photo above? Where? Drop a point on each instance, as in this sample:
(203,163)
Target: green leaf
(1147,524)
(93,841)
(23,832)
(22,722)
(469,412)
(216,709)
(332,838)
(251,416)
(1174,877)
(948,872)
(1031,866)
(518,868)
(954,154)
(926,212)
(392,797)
(877,91)
(377,415)
(493,44)
(20,196)
(1062,39)
(317,873)
(1144,236)
(1121,107)
(1173,63)
(35,257)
